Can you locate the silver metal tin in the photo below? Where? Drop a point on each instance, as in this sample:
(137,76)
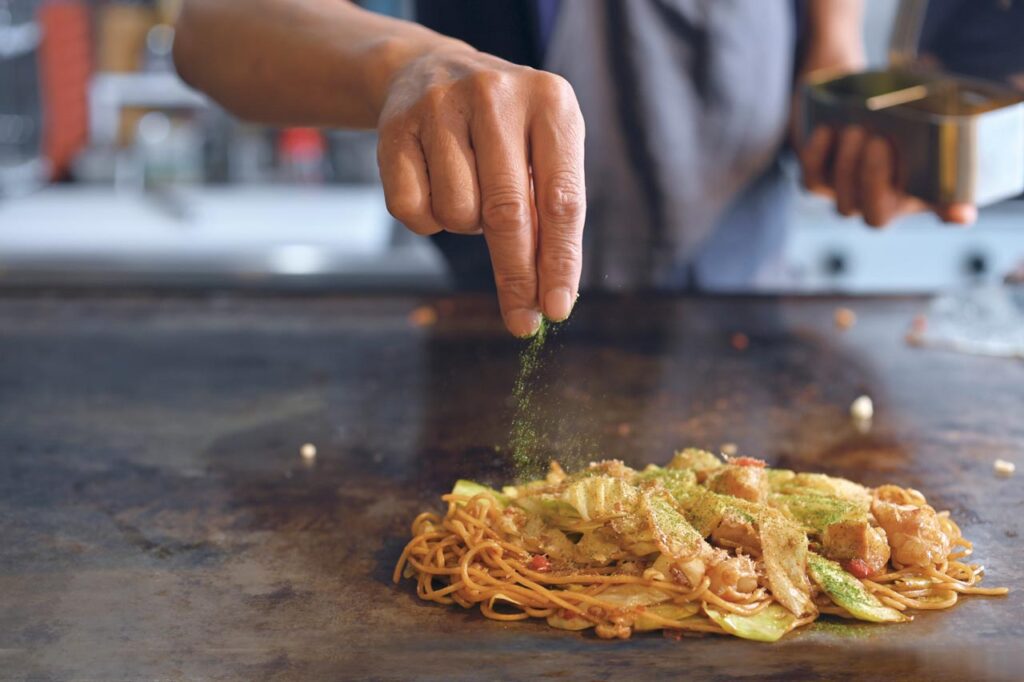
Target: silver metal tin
(956,139)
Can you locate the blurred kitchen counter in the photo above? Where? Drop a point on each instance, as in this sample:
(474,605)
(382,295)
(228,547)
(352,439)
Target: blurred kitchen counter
(265,236)
(341,237)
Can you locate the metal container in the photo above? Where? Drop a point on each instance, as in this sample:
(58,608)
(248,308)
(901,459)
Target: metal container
(956,139)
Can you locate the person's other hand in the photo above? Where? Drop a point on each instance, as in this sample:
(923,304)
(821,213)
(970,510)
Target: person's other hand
(473,144)
(858,171)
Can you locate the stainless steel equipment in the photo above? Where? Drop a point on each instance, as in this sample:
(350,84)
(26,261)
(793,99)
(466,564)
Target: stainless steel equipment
(957,139)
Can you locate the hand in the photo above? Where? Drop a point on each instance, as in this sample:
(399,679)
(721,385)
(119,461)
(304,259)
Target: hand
(472,144)
(851,166)
(858,170)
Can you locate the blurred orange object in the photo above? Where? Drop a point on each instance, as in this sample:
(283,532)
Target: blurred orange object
(64,66)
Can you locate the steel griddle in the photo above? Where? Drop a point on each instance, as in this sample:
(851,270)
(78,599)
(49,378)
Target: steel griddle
(157,521)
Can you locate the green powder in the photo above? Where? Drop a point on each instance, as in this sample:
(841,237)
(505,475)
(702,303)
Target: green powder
(525,437)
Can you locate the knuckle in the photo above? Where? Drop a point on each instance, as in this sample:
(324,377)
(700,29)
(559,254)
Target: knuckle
(553,86)
(564,198)
(404,210)
(564,265)
(489,87)
(519,283)
(506,209)
(854,131)
(422,230)
(390,128)
(434,99)
(386,148)
(458,216)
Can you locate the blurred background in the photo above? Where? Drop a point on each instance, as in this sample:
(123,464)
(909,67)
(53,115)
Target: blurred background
(113,172)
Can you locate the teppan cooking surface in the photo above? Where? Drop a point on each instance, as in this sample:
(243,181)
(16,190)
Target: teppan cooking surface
(157,520)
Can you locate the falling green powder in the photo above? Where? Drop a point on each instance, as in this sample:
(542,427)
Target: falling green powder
(525,437)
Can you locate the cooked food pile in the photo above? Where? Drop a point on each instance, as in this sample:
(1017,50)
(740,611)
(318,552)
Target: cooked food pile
(701,545)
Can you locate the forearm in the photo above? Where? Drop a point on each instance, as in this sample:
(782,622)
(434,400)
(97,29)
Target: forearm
(835,35)
(297,62)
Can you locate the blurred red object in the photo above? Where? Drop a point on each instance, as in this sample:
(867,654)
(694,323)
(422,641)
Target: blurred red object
(65,66)
(301,154)
(301,143)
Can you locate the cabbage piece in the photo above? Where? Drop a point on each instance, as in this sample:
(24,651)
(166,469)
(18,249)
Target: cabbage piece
(541,537)
(820,484)
(768,625)
(535,487)
(816,512)
(784,551)
(556,620)
(848,592)
(694,459)
(628,595)
(679,613)
(472,488)
(704,509)
(678,482)
(597,547)
(599,498)
(670,531)
(503,598)
(549,508)
(777,478)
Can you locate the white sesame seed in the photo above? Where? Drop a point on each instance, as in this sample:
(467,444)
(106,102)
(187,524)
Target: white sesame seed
(1004,468)
(308,451)
(862,408)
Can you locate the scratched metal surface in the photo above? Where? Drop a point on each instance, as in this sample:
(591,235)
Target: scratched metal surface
(157,521)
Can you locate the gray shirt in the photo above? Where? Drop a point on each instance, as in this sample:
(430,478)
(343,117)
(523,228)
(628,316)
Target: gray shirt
(686,104)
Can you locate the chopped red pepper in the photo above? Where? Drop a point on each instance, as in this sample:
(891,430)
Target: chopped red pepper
(858,567)
(748,462)
(540,563)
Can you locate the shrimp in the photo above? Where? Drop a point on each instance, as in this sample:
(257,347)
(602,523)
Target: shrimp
(914,532)
(688,572)
(734,579)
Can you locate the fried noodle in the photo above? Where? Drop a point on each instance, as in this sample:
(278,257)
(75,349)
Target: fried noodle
(473,558)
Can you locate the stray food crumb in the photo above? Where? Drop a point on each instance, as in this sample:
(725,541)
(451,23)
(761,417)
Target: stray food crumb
(844,318)
(862,409)
(424,316)
(1003,468)
(915,337)
(740,341)
(729,449)
(308,451)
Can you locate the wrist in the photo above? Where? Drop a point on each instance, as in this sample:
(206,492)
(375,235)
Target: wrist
(388,57)
(833,56)
(836,37)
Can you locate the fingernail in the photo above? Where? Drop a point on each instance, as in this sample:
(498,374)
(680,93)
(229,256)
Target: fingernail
(523,323)
(557,304)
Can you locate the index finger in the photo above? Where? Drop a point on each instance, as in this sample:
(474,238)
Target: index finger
(505,211)
(556,145)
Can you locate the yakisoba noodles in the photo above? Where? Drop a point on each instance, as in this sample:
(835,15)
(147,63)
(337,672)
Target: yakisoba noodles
(698,546)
